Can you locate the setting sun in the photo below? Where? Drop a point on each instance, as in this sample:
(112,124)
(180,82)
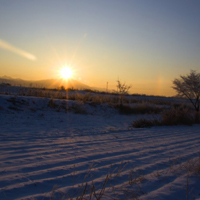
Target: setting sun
(66,73)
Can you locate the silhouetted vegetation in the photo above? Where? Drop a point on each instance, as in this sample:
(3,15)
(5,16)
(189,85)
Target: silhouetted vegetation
(122,90)
(139,109)
(189,87)
(176,115)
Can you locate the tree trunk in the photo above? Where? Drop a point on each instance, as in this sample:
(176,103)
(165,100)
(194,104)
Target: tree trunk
(197,117)
(121,100)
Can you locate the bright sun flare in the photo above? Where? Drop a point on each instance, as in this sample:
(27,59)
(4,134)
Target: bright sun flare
(66,73)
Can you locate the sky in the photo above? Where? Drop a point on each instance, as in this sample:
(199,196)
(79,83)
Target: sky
(144,43)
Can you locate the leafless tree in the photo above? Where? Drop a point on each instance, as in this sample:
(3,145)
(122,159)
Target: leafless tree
(189,87)
(122,89)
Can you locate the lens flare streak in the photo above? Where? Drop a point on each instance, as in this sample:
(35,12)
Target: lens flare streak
(6,46)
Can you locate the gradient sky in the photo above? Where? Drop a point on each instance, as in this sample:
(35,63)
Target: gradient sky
(145,43)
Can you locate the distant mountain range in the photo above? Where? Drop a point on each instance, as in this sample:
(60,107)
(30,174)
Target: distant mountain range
(48,83)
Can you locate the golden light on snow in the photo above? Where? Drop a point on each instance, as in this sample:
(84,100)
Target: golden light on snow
(66,73)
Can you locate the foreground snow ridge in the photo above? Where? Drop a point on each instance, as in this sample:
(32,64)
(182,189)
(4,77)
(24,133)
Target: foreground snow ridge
(48,153)
(148,164)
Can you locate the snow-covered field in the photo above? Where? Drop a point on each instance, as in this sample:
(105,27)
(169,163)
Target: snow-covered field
(51,152)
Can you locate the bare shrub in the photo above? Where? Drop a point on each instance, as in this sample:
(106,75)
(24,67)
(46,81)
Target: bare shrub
(122,90)
(79,108)
(52,103)
(94,98)
(145,123)
(82,97)
(178,115)
(139,109)
(87,97)
(197,167)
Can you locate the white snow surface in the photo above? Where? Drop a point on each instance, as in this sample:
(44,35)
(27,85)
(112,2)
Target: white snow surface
(51,152)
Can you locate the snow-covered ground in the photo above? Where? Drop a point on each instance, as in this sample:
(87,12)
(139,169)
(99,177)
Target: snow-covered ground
(62,149)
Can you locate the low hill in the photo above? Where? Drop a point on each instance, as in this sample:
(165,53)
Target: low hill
(48,83)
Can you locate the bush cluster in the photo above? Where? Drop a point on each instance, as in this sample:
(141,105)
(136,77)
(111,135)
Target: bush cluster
(145,123)
(177,115)
(139,109)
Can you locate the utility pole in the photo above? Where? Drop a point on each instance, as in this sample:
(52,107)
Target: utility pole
(107,87)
